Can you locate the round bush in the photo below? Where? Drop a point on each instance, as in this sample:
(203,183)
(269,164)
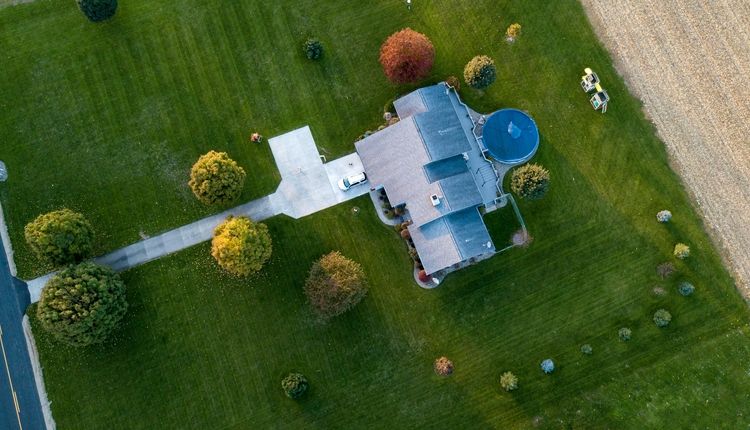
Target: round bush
(453,82)
(60,237)
(530,181)
(294,385)
(521,238)
(681,251)
(335,285)
(513,31)
(664,216)
(240,246)
(81,305)
(686,288)
(548,366)
(665,270)
(407,56)
(443,366)
(587,349)
(216,179)
(508,381)
(313,49)
(480,72)
(662,318)
(98,10)
(625,334)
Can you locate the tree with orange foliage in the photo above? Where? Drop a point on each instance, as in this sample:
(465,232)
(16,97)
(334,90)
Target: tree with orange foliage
(407,56)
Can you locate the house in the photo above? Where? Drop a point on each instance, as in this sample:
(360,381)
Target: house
(432,162)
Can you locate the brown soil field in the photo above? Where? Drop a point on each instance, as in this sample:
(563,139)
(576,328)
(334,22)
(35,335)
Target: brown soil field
(689,62)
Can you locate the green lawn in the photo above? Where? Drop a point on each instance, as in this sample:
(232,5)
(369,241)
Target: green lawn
(107,119)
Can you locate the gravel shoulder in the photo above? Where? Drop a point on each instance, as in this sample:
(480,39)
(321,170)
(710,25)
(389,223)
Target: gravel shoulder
(689,62)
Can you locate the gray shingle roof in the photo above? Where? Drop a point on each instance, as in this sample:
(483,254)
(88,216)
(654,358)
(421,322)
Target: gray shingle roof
(460,191)
(470,233)
(440,169)
(394,158)
(410,104)
(440,126)
(451,239)
(435,244)
(422,155)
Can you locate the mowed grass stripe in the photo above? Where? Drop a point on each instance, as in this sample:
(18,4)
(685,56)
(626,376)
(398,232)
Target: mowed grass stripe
(236,123)
(207,47)
(201,350)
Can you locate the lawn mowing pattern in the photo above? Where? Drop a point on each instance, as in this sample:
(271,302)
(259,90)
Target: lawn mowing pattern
(203,351)
(122,110)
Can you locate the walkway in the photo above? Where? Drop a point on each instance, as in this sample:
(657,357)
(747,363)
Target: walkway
(482,170)
(307,186)
(17,384)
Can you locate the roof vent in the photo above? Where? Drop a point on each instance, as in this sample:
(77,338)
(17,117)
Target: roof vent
(435,199)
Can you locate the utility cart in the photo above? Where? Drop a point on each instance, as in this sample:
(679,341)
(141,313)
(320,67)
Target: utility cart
(600,99)
(589,81)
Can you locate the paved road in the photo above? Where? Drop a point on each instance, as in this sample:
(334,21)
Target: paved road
(17,386)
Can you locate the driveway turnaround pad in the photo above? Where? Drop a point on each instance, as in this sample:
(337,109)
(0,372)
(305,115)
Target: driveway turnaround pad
(307,184)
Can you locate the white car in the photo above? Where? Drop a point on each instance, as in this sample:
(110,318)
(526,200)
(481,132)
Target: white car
(350,181)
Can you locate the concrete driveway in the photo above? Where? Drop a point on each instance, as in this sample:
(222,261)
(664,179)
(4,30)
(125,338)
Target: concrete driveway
(346,166)
(309,185)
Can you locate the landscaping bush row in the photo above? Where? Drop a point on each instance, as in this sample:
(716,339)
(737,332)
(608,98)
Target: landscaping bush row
(661,317)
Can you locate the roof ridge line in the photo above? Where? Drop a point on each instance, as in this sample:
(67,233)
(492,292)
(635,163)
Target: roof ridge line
(453,237)
(442,192)
(421,136)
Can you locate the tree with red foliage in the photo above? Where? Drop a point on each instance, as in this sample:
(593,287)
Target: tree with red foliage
(407,56)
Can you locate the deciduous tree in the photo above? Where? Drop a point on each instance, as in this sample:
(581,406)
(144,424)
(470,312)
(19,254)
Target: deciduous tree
(81,305)
(240,246)
(216,179)
(98,10)
(335,285)
(60,237)
(480,72)
(530,181)
(407,56)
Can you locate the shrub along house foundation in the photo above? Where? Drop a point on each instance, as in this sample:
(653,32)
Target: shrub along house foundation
(432,162)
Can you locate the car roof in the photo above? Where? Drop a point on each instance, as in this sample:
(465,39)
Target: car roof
(357,177)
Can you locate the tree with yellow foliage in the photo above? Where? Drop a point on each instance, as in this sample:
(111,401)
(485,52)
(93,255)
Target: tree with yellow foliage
(240,246)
